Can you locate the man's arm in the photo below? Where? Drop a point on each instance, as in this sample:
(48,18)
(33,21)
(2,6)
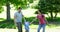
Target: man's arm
(15,20)
(22,14)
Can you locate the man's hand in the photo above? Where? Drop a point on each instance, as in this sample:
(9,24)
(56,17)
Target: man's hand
(15,23)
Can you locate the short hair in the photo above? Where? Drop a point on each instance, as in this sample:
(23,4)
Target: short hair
(19,8)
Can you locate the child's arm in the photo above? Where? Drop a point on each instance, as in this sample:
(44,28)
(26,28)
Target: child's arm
(33,20)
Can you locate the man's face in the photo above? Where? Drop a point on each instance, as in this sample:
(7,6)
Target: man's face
(19,10)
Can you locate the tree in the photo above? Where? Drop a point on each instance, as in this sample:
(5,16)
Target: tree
(49,6)
(1,8)
(16,3)
(8,10)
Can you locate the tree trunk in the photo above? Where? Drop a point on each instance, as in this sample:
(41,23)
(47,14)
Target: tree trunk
(48,15)
(55,15)
(51,15)
(8,11)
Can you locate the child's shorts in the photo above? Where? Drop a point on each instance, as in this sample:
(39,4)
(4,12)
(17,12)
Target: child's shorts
(27,26)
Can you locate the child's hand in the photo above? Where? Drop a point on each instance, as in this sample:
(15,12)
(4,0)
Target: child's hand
(33,20)
(30,23)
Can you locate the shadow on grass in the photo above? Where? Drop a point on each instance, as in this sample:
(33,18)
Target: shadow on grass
(7,24)
(10,24)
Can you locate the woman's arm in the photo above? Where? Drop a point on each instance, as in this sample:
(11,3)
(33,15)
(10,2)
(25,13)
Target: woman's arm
(46,21)
(33,20)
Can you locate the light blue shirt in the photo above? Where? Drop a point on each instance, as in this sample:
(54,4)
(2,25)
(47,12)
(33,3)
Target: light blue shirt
(27,25)
(18,17)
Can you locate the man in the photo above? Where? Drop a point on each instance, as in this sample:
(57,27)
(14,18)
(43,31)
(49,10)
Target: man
(18,19)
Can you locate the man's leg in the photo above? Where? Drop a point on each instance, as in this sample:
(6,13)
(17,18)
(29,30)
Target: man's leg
(39,28)
(19,26)
(43,27)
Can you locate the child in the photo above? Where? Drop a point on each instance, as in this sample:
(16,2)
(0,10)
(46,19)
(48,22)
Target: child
(27,26)
(27,23)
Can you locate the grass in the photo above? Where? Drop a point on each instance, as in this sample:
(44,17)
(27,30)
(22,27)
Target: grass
(7,24)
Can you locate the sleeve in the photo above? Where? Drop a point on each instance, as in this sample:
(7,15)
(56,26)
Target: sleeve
(21,14)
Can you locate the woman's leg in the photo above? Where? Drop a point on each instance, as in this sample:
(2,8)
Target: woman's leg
(39,28)
(43,27)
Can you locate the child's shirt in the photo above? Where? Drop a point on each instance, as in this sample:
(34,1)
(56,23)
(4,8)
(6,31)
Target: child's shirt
(27,25)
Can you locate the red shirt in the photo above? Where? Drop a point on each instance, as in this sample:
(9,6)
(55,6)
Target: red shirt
(41,19)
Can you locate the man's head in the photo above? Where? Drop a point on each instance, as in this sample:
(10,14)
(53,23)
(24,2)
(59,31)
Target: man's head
(19,9)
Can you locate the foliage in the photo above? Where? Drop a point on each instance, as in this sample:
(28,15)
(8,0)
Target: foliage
(49,6)
(16,3)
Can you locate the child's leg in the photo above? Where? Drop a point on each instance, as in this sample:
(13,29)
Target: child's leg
(27,30)
(39,28)
(43,27)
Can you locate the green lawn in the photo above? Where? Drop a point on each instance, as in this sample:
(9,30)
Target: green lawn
(7,24)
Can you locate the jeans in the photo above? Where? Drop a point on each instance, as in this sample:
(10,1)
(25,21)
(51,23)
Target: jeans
(41,26)
(27,26)
(19,26)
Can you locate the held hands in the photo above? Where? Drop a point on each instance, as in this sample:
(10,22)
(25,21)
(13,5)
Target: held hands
(15,23)
(33,20)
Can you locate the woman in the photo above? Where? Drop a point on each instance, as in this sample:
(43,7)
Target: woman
(42,21)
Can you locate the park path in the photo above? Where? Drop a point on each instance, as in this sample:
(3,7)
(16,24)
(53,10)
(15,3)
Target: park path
(32,30)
